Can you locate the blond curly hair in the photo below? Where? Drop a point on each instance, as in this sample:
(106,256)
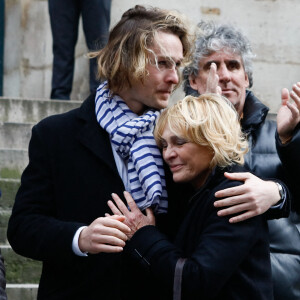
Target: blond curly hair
(208,120)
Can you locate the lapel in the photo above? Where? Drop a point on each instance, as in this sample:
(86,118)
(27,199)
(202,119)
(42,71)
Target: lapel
(92,136)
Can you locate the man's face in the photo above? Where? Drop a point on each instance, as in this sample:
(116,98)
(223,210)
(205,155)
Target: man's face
(162,76)
(233,79)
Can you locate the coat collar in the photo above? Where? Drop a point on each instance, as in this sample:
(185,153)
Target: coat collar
(93,136)
(254,113)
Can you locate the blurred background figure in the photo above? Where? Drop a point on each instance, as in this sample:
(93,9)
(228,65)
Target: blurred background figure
(64,19)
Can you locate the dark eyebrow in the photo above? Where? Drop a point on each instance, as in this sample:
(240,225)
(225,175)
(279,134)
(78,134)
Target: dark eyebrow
(169,57)
(208,63)
(234,61)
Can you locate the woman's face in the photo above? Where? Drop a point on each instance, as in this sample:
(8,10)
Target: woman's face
(188,161)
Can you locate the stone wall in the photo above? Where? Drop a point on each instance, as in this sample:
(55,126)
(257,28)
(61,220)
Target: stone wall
(28,52)
(271,25)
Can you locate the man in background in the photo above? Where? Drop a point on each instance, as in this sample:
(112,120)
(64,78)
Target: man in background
(223,63)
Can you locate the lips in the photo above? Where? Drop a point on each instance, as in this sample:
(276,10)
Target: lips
(228,91)
(175,168)
(165,92)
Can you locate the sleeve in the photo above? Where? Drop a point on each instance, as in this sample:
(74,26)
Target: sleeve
(34,229)
(290,158)
(221,248)
(282,209)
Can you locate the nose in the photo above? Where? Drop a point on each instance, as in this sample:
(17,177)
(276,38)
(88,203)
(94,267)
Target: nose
(168,154)
(171,75)
(223,73)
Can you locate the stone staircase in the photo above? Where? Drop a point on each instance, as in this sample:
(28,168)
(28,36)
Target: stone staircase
(17,116)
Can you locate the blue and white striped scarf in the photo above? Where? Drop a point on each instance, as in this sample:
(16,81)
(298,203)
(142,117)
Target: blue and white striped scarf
(132,137)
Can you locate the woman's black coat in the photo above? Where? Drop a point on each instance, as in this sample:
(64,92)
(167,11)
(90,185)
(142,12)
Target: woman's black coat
(224,261)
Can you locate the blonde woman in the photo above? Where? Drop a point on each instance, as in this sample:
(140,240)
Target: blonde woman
(209,258)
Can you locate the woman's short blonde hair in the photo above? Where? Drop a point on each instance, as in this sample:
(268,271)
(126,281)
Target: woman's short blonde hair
(126,54)
(209,120)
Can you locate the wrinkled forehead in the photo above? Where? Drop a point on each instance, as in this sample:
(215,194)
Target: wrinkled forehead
(166,44)
(223,54)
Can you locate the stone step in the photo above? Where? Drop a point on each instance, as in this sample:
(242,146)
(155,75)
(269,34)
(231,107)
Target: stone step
(12,162)
(15,135)
(20,269)
(9,188)
(17,116)
(32,110)
(21,291)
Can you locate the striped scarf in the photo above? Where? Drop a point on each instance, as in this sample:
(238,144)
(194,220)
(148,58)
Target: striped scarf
(132,137)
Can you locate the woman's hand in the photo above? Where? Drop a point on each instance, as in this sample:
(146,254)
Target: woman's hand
(134,218)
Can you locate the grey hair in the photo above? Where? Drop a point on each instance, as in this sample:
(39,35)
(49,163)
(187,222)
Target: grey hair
(212,38)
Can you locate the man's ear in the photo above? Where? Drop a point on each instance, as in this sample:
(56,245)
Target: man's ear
(193,82)
(247,80)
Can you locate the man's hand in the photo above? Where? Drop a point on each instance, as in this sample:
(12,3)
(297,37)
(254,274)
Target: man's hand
(213,80)
(106,234)
(134,218)
(252,198)
(289,113)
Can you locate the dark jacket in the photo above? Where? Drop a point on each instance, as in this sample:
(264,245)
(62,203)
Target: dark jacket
(224,261)
(70,176)
(290,158)
(263,161)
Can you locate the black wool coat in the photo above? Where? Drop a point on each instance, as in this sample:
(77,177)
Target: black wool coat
(70,176)
(224,261)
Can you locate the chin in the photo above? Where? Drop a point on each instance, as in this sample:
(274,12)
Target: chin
(163,103)
(178,179)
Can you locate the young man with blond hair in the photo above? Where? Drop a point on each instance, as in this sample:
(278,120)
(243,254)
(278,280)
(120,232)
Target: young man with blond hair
(77,159)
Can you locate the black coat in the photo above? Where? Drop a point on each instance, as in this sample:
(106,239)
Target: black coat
(70,176)
(224,261)
(270,159)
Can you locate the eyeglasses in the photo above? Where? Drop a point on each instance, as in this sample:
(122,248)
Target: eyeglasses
(165,63)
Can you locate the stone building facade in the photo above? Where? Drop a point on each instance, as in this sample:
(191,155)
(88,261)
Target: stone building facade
(271,25)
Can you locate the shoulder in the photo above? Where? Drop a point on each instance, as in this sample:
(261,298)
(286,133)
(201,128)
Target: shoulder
(216,182)
(265,141)
(219,181)
(269,125)
(56,121)
(69,120)
(59,120)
